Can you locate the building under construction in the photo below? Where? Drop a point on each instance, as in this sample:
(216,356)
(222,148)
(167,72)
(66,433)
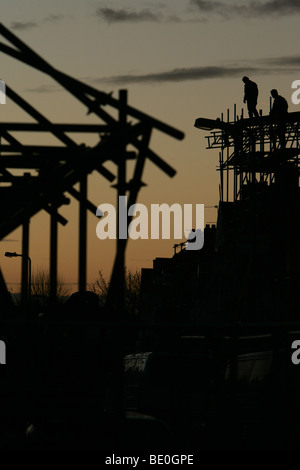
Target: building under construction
(249,268)
(234,305)
(257,240)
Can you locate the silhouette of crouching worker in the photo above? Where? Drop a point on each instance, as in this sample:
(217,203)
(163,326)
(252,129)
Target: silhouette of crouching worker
(250,96)
(278,114)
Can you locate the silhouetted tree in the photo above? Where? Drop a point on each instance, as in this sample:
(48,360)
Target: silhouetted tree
(40,287)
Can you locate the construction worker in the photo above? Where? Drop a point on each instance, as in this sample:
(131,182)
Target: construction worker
(280,105)
(279,113)
(250,96)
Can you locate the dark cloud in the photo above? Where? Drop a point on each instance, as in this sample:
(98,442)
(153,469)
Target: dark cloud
(208,6)
(22,25)
(290,61)
(225,9)
(53,18)
(274,7)
(180,74)
(127,16)
(111,15)
(203,73)
(268,66)
(252,9)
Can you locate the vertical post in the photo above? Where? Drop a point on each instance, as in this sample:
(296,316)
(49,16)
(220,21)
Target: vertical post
(25,255)
(238,145)
(241,172)
(122,161)
(227,175)
(53,254)
(121,243)
(116,290)
(221,174)
(252,148)
(82,234)
(262,146)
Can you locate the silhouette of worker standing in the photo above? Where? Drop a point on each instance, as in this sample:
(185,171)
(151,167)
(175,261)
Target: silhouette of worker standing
(280,105)
(250,96)
(279,113)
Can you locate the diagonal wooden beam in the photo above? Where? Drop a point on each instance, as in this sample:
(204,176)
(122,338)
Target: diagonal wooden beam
(79,89)
(89,205)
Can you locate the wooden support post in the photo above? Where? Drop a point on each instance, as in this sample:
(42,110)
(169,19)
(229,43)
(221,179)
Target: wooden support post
(227,175)
(116,290)
(221,174)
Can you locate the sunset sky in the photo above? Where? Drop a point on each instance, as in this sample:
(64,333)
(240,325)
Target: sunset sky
(179,60)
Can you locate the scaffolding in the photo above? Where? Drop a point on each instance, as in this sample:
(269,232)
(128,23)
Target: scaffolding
(253,151)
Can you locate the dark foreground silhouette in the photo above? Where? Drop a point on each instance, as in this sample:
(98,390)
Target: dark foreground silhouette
(66,386)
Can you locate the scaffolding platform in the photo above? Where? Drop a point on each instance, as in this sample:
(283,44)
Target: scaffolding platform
(253,150)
